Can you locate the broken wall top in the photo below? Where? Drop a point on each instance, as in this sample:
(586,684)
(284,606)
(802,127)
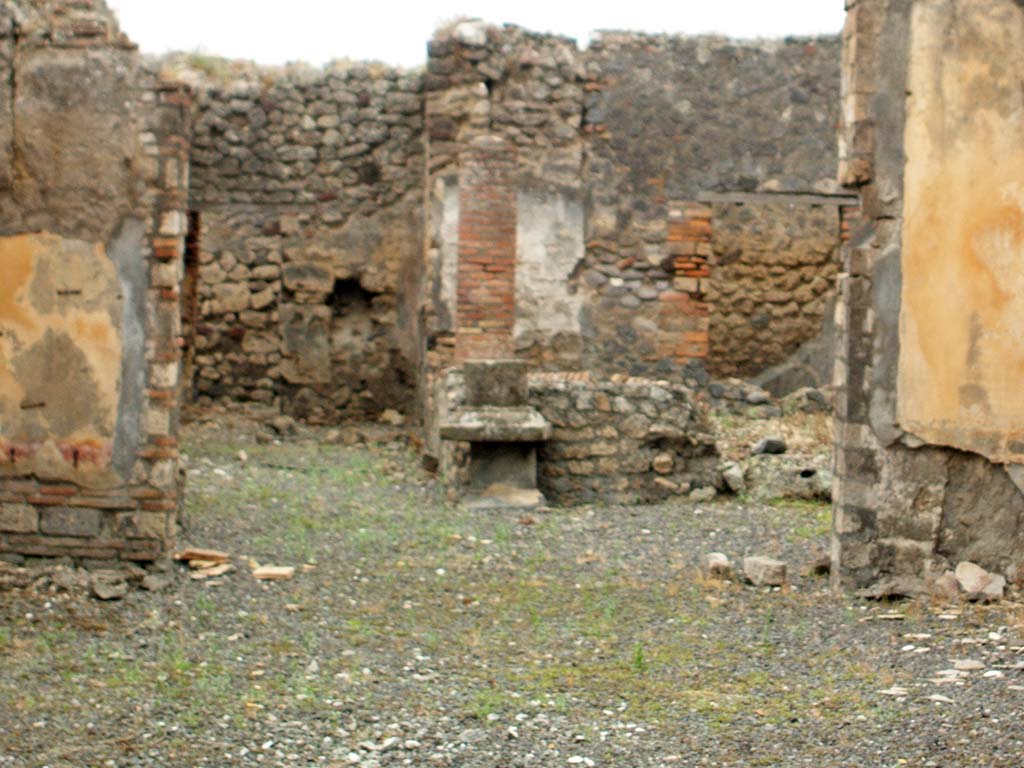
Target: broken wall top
(64,23)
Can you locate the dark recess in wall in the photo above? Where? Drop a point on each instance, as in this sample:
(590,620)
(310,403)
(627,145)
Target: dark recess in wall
(348,298)
(190,301)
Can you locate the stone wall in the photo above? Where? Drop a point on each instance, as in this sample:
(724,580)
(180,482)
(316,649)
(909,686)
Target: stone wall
(621,440)
(526,91)
(627,153)
(312,286)
(615,440)
(91,241)
(676,119)
(929,424)
(775,268)
(308,189)
(667,113)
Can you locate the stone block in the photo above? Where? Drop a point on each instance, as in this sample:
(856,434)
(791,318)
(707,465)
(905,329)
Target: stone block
(703,494)
(764,571)
(19,518)
(264,298)
(229,297)
(307,277)
(734,478)
(70,521)
(266,272)
(496,383)
(978,584)
(108,585)
(142,525)
(770,445)
(512,425)
(663,463)
(716,565)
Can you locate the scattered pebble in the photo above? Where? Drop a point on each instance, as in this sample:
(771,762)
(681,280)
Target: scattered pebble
(968,665)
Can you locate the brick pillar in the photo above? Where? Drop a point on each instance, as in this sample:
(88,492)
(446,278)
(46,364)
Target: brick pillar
(683,312)
(485,294)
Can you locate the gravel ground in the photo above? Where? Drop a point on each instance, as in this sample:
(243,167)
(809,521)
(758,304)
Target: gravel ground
(418,633)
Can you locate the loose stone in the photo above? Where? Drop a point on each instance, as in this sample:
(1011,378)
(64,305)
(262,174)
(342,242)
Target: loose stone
(764,571)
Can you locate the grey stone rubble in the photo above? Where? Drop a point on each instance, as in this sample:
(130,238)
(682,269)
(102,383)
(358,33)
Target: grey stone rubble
(780,476)
(102,580)
(969,582)
(108,584)
(733,476)
(977,584)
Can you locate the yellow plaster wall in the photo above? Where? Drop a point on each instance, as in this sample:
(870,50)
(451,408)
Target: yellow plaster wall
(961,367)
(60,357)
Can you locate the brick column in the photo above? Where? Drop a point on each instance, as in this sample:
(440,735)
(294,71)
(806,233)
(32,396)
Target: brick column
(485,294)
(683,312)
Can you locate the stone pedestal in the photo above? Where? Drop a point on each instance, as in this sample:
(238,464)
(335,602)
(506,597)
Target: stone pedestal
(503,433)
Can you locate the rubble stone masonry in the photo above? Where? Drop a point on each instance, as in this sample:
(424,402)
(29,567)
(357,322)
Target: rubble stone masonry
(313,288)
(628,152)
(622,440)
(617,439)
(307,187)
(775,268)
(676,121)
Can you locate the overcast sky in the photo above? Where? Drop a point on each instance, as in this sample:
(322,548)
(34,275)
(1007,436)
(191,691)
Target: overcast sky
(317,31)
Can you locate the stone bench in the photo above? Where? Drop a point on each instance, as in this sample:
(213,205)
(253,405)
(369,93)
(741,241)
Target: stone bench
(503,433)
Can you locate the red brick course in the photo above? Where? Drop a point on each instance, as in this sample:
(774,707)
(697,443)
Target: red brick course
(683,313)
(485,294)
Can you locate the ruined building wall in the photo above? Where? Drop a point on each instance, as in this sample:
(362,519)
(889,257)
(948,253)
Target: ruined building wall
(526,91)
(671,190)
(674,121)
(92,193)
(774,275)
(313,290)
(503,108)
(929,421)
(621,439)
(308,188)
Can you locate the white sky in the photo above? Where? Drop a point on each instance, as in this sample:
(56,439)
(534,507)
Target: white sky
(316,31)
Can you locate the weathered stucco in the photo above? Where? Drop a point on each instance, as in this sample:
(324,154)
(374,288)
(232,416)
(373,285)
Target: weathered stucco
(931,271)
(550,250)
(60,357)
(76,142)
(962,323)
